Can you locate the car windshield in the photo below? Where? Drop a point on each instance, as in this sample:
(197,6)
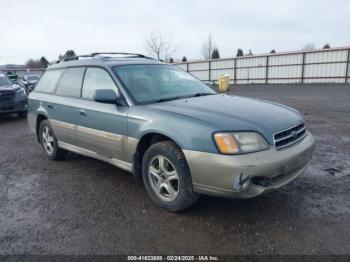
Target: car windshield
(158,83)
(33,78)
(4,81)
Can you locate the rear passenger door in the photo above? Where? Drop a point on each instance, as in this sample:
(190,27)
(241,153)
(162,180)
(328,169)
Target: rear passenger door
(64,107)
(101,127)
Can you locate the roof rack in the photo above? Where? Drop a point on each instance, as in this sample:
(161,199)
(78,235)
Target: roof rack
(120,53)
(127,55)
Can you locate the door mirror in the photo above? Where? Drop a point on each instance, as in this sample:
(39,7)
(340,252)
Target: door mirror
(211,84)
(107,96)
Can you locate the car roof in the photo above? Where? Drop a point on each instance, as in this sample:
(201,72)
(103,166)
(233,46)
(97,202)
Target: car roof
(103,61)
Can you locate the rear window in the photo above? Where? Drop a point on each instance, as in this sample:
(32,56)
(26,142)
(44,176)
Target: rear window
(49,80)
(70,84)
(32,78)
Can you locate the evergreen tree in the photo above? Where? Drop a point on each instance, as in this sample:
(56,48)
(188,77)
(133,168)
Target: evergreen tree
(43,61)
(239,52)
(215,54)
(70,53)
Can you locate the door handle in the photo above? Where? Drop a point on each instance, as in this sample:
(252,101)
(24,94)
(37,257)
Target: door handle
(50,106)
(82,112)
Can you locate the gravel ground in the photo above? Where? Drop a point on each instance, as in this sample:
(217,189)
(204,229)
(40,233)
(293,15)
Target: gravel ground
(85,206)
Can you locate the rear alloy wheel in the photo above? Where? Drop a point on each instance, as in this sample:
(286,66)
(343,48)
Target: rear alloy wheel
(167,177)
(49,142)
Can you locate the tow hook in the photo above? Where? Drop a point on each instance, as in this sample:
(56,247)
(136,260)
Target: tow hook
(241,183)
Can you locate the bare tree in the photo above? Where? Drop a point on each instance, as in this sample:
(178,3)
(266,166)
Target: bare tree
(159,45)
(207,47)
(308,47)
(33,63)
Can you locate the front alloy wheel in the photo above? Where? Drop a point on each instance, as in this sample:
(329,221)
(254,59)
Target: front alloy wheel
(167,177)
(163,178)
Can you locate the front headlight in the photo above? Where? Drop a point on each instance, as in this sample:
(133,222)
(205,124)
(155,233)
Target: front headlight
(240,142)
(20,91)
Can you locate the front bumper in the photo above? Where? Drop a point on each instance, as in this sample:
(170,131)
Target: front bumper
(17,107)
(219,175)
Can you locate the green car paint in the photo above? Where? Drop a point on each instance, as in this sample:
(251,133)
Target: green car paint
(115,132)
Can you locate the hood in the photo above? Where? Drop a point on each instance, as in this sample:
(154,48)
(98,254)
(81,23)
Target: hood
(32,81)
(9,88)
(234,113)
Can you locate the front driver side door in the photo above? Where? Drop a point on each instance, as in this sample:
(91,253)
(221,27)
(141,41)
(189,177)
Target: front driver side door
(101,128)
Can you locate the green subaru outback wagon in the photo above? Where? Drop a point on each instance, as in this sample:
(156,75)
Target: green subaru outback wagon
(164,125)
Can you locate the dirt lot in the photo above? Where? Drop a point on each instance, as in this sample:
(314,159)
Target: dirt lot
(84,206)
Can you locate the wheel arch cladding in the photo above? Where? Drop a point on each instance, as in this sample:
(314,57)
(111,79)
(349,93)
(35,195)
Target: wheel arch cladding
(144,143)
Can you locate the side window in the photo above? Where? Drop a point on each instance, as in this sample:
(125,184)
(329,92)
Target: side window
(70,84)
(48,81)
(96,78)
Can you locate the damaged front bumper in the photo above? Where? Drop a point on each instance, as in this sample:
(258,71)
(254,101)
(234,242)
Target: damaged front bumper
(249,175)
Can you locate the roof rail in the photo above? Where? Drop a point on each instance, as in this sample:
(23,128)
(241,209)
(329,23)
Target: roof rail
(76,57)
(71,58)
(130,55)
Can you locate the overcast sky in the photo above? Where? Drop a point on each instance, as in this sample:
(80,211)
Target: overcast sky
(35,28)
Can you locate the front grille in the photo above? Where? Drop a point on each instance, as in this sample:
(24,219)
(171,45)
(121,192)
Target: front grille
(7,102)
(5,98)
(290,136)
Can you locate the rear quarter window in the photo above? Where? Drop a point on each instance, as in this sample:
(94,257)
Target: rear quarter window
(71,82)
(49,80)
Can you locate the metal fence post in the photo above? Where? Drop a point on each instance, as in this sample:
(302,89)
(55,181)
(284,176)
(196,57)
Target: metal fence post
(303,69)
(267,70)
(209,69)
(187,67)
(234,70)
(347,67)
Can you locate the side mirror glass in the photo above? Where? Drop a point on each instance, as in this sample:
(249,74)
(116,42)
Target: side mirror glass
(107,96)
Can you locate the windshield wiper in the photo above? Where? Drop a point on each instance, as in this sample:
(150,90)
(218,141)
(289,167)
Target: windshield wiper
(180,97)
(202,94)
(168,99)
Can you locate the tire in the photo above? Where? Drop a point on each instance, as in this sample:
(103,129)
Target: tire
(22,114)
(169,186)
(47,136)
